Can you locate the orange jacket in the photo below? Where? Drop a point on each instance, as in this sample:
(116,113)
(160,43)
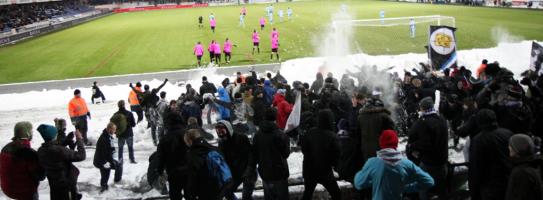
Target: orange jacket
(480,70)
(133,97)
(77,107)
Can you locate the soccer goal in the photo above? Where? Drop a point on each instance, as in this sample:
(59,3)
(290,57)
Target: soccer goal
(393,35)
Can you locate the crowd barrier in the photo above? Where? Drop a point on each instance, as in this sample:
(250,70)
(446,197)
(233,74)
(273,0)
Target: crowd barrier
(54,27)
(160,7)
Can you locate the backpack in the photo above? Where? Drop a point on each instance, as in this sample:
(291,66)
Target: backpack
(218,168)
(120,121)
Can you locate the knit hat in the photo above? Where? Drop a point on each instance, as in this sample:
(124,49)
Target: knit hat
(522,145)
(227,125)
(47,132)
(427,103)
(77,91)
(388,139)
(22,130)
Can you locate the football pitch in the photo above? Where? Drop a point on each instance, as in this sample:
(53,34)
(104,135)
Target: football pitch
(154,41)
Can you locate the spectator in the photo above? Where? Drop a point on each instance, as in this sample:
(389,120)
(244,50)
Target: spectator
(525,181)
(97,93)
(104,157)
(126,136)
(78,111)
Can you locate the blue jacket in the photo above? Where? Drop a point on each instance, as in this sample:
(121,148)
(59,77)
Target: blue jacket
(269,92)
(390,174)
(225,97)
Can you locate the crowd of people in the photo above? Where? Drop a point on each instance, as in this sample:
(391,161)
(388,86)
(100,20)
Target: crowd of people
(15,16)
(343,128)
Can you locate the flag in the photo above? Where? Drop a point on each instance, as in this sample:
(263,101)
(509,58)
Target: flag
(442,47)
(293,120)
(536,58)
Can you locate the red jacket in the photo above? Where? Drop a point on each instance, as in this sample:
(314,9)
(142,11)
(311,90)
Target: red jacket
(20,171)
(283,110)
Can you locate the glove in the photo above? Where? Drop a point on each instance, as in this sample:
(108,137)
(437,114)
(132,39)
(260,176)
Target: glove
(165,80)
(107,166)
(130,85)
(89,115)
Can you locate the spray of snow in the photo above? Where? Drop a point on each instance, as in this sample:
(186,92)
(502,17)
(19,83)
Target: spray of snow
(501,35)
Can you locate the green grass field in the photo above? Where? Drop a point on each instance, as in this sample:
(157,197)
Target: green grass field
(162,40)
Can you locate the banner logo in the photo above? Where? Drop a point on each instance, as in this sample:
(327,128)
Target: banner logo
(442,41)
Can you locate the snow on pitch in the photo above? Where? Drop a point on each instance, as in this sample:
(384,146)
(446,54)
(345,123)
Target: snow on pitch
(42,106)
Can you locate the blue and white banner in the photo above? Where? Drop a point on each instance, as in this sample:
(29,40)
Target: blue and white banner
(442,47)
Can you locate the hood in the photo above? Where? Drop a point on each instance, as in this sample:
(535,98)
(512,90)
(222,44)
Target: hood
(390,156)
(223,94)
(326,120)
(228,126)
(267,83)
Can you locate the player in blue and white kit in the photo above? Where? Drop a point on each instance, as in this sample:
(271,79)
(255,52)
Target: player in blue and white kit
(211,16)
(382,15)
(412,27)
(270,14)
(289,13)
(242,20)
(344,8)
(280,13)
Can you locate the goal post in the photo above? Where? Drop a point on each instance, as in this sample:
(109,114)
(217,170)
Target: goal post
(397,35)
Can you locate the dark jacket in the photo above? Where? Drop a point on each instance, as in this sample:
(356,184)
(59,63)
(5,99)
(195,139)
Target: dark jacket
(200,184)
(131,122)
(525,181)
(20,170)
(237,153)
(259,106)
(429,136)
(372,120)
(488,166)
(104,150)
(207,87)
(57,162)
(271,150)
(172,152)
(320,147)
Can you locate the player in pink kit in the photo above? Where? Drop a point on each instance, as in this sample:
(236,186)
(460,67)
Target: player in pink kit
(198,51)
(275,34)
(275,48)
(212,23)
(228,50)
(256,41)
(262,23)
(244,11)
(217,50)
(211,51)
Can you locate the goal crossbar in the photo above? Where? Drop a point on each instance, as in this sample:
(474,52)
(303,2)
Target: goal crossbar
(418,19)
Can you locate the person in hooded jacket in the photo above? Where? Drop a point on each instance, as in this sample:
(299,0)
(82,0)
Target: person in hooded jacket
(488,154)
(207,87)
(390,174)
(318,84)
(161,108)
(271,149)
(20,170)
(320,147)
(104,157)
(525,181)
(283,108)
(428,143)
(269,92)
(191,109)
(57,161)
(172,156)
(236,149)
(373,119)
(222,101)
(258,105)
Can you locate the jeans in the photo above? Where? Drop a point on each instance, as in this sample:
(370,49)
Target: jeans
(276,190)
(329,182)
(105,172)
(130,142)
(439,174)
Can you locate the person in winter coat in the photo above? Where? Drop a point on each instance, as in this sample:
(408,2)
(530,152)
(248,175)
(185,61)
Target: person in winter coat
(317,85)
(283,108)
(57,163)
(97,93)
(207,87)
(259,104)
(191,109)
(78,111)
(128,135)
(428,143)
(20,170)
(320,147)
(488,153)
(390,174)
(172,156)
(236,149)
(134,99)
(224,98)
(269,92)
(161,108)
(149,102)
(373,119)
(525,181)
(200,184)
(271,149)
(104,157)
(62,138)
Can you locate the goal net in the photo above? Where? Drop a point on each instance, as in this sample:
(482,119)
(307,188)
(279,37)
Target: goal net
(393,35)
